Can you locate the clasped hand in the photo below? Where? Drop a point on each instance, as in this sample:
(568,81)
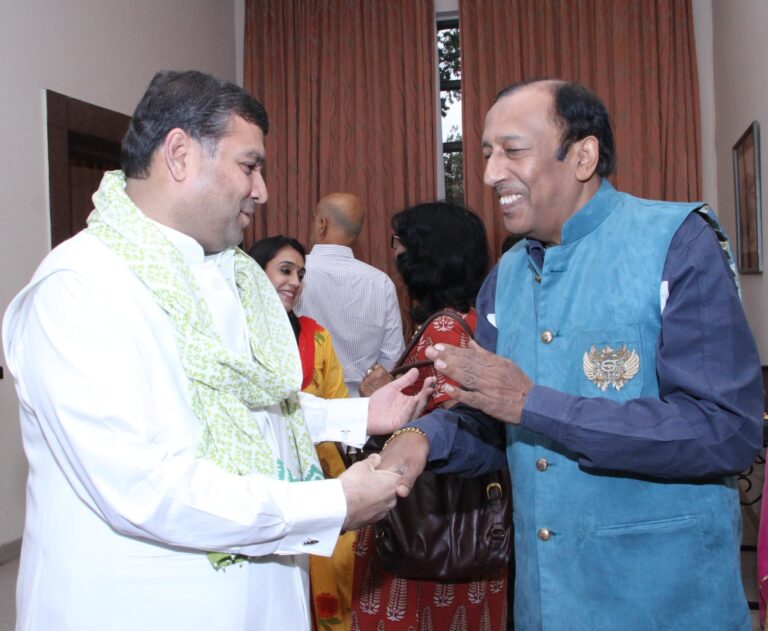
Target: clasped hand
(370,489)
(370,492)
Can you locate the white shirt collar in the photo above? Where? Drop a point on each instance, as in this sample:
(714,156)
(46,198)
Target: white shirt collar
(332,249)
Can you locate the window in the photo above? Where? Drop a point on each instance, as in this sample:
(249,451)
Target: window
(449,73)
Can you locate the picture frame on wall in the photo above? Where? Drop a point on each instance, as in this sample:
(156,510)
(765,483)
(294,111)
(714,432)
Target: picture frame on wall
(746,178)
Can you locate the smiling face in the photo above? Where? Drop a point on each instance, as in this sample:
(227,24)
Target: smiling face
(286,271)
(226,184)
(521,141)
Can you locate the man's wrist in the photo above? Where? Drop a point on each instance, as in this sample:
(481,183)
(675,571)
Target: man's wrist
(406,456)
(403,430)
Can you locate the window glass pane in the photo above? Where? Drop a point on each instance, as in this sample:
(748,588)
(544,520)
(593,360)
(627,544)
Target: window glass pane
(449,72)
(450,104)
(449,59)
(454,176)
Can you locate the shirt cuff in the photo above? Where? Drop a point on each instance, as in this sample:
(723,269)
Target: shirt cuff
(337,420)
(316,511)
(347,421)
(546,411)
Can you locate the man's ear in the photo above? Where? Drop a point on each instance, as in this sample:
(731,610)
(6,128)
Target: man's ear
(587,155)
(321,227)
(176,153)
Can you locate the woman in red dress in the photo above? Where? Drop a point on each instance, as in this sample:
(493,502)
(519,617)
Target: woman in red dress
(442,256)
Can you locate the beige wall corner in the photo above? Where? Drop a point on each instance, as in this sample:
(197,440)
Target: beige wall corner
(702,24)
(239,39)
(740,56)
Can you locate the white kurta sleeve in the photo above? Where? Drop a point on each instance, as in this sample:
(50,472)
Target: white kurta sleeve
(113,408)
(338,420)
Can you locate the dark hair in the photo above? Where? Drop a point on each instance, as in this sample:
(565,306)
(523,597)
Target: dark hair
(264,250)
(196,102)
(579,113)
(445,258)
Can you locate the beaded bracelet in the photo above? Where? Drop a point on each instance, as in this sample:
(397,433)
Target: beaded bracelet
(402,430)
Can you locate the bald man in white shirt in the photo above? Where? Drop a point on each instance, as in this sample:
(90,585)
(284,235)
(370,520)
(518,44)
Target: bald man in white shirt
(355,301)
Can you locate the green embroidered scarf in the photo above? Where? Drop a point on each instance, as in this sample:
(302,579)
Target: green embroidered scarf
(224,387)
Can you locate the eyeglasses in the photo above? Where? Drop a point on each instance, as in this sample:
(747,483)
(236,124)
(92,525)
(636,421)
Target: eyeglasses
(394,239)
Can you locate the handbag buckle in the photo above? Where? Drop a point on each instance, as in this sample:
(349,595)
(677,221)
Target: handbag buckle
(498,532)
(494,491)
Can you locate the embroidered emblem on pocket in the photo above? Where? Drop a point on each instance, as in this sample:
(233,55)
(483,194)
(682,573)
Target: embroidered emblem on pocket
(608,367)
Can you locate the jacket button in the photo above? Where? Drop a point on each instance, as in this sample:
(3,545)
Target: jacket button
(542,464)
(544,534)
(547,337)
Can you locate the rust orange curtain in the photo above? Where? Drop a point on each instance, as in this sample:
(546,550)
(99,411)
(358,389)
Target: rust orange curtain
(637,55)
(349,86)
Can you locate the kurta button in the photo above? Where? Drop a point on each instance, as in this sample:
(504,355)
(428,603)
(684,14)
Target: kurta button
(542,464)
(544,534)
(547,337)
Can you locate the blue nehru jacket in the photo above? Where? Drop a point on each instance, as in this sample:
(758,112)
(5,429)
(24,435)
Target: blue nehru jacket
(626,516)
(597,550)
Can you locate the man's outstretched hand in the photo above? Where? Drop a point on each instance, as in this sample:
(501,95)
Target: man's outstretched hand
(490,383)
(389,408)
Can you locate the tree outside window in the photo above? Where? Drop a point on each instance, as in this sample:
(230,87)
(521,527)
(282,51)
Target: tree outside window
(449,72)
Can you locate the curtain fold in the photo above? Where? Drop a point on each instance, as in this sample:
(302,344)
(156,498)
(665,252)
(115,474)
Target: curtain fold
(638,56)
(349,86)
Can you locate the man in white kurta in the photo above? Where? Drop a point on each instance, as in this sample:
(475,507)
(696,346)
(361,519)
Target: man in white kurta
(121,510)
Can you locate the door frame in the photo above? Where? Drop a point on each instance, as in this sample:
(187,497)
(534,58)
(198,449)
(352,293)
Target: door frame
(76,128)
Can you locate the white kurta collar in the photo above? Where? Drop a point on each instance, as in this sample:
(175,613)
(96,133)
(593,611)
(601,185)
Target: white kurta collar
(193,252)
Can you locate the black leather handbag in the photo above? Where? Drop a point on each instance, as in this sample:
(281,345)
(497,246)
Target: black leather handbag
(449,528)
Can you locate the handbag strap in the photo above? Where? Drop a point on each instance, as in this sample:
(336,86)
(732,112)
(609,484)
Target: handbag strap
(450,313)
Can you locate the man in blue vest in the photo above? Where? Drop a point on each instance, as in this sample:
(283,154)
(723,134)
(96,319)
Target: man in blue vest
(613,347)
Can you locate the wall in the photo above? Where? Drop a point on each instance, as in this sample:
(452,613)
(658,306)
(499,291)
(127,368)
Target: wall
(702,26)
(740,54)
(104,52)
(443,7)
